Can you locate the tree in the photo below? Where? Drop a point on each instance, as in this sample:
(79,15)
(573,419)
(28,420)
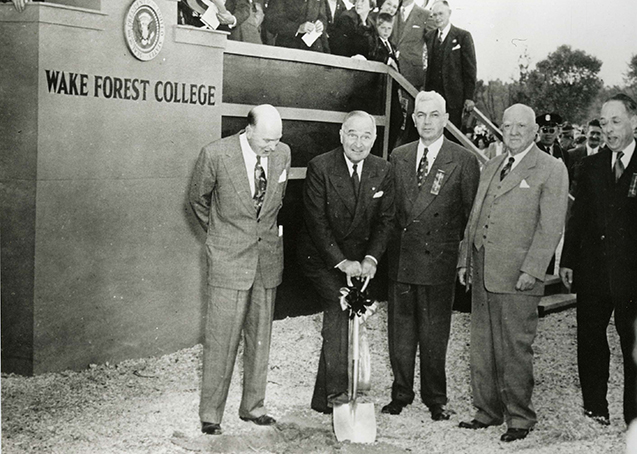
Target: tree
(631,77)
(566,82)
(492,98)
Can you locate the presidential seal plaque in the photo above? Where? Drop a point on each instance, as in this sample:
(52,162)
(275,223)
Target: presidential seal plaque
(144,29)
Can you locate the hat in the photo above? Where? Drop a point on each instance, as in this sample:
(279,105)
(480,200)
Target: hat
(567,126)
(548,119)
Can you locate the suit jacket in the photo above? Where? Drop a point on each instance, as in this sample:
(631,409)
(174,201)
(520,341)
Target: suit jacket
(382,53)
(238,243)
(459,69)
(240,9)
(601,233)
(558,153)
(526,222)
(423,248)
(409,39)
(340,9)
(337,227)
(283,18)
(351,37)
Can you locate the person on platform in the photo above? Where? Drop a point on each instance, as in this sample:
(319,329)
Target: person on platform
(436,182)
(599,258)
(549,124)
(388,7)
(290,21)
(236,192)
(451,68)
(237,12)
(513,230)
(354,34)
(349,210)
(589,148)
(385,51)
(333,10)
(409,38)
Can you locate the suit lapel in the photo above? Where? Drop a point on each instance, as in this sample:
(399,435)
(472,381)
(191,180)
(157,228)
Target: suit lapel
(623,185)
(443,164)
(407,169)
(341,181)
(236,168)
(275,163)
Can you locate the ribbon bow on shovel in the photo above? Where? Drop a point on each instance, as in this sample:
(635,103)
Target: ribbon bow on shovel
(356,300)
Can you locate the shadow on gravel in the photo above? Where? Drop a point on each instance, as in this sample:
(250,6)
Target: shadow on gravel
(284,437)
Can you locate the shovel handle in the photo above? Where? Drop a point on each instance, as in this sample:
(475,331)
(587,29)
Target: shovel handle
(365,284)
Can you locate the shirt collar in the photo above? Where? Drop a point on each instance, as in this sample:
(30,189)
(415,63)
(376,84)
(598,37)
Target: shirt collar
(406,10)
(628,153)
(445,31)
(432,150)
(518,157)
(249,156)
(350,166)
(591,151)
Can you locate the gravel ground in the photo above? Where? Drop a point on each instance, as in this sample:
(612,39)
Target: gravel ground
(150,405)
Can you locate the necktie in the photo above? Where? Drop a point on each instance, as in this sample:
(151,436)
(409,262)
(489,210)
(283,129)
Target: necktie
(356,182)
(507,168)
(619,166)
(422,168)
(440,38)
(260,184)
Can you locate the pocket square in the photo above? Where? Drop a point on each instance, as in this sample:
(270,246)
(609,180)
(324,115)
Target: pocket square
(415,26)
(283,176)
(456,47)
(377,195)
(524,184)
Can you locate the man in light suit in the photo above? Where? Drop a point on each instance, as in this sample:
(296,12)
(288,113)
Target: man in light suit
(436,182)
(236,192)
(600,257)
(349,209)
(409,38)
(515,225)
(451,69)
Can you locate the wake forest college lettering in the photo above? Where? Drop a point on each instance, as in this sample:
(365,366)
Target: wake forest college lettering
(110,87)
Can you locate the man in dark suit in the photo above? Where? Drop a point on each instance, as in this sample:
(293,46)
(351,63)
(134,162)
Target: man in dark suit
(436,182)
(589,148)
(514,227)
(451,68)
(567,136)
(236,192)
(237,12)
(349,210)
(333,10)
(289,20)
(600,258)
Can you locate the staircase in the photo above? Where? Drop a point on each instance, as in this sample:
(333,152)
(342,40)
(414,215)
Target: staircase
(555,298)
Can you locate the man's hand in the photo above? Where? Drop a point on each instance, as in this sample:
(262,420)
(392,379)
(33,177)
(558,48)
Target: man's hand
(469,105)
(463,277)
(351,268)
(306,27)
(368,268)
(525,282)
(226,18)
(567,277)
(318,26)
(19,5)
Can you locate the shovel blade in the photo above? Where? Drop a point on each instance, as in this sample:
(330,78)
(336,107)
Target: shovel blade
(355,422)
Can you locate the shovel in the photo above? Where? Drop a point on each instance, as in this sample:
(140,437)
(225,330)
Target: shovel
(355,421)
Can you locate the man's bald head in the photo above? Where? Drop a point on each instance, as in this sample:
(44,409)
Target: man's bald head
(264,129)
(518,128)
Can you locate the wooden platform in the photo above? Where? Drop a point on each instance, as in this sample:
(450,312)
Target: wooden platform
(555,299)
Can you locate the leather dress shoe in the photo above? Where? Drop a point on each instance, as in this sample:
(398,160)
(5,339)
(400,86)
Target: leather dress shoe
(602,419)
(263,420)
(473,424)
(325,411)
(513,434)
(440,413)
(393,408)
(211,428)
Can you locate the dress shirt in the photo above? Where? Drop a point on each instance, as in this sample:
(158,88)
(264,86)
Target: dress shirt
(628,153)
(432,152)
(591,151)
(516,158)
(444,32)
(250,160)
(405,11)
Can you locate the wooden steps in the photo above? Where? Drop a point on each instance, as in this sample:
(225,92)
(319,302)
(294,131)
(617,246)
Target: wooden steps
(554,298)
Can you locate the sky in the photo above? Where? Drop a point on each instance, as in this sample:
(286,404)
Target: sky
(501,30)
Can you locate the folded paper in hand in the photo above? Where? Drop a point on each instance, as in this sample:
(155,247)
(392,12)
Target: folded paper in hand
(310,37)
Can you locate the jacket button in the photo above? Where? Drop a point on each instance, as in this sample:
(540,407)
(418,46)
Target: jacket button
(259,239)
(603,237)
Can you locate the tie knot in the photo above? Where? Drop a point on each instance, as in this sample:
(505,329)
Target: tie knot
(425,151)
(258,159)
(355,166)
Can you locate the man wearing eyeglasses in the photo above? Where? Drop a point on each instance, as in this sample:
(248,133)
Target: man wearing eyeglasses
(348,200)
(549,124)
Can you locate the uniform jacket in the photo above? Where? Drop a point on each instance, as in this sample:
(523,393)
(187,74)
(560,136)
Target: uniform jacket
(459,69)
(337,227)
(527,219)
(283,18)
(601,234)
(423,249)
(409,39)
(238,243)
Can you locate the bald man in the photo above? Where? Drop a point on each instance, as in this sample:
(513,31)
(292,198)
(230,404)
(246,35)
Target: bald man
(236,192)
(513,230)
